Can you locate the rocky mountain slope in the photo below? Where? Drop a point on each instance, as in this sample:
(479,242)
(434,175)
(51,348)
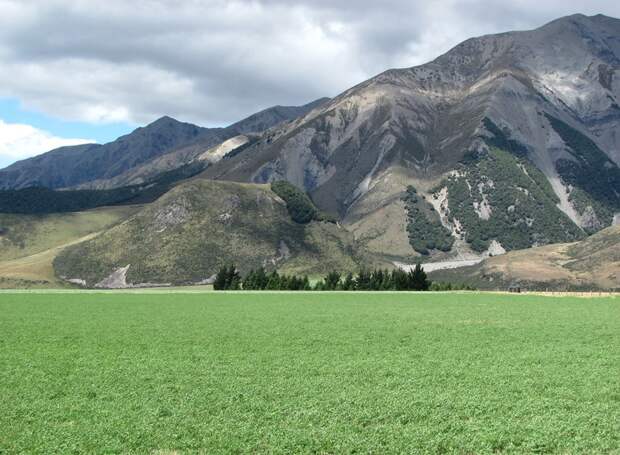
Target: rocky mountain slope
(200,226)
(132,159)
(512,139)
(591,264)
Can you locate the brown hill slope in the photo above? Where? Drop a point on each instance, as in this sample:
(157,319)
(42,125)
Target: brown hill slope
(593,263)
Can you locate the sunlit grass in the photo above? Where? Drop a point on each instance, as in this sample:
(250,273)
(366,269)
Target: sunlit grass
(308,373)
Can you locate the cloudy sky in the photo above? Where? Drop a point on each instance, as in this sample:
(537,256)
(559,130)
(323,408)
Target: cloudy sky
(76,71)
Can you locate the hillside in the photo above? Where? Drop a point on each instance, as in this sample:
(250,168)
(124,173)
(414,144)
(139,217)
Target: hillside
(593,263)
(29,243)
(201,225)
(510,137)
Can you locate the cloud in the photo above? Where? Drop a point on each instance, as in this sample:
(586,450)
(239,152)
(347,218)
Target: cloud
(18,141)
(215,61)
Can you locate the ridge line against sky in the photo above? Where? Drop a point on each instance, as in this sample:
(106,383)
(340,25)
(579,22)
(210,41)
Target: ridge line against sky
(96,70)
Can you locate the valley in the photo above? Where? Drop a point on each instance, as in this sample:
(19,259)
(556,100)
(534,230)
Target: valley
(503,144)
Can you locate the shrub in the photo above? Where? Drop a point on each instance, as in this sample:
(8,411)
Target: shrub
(299,205)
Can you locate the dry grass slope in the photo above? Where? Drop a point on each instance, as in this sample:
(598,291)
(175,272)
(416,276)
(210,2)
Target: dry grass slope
(30,244)
(593,263)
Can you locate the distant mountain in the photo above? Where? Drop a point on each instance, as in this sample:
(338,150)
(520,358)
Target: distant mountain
(268,118)
(71,166)
(234,136)
(511,138)
(160,146)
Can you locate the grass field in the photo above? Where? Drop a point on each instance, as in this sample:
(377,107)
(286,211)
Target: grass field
(308,373)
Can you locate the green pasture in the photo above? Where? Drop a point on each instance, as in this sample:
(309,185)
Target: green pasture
(308,373)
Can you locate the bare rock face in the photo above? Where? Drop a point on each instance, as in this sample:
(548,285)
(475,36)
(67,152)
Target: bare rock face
(116,280)
(549,97)
(172,215)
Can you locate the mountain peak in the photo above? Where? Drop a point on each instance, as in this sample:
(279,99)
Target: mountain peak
(165,120)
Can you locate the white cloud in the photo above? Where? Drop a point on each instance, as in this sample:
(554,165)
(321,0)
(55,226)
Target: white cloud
(18,141)
(215,61)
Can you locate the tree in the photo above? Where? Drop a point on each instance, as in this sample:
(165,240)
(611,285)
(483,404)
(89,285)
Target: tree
(400,281)
(233,279)
(260,278)
(220,279)
(362,282)
(249,281)
(332,281)
(227,278)
(418,280)
(273,281)
(349,283)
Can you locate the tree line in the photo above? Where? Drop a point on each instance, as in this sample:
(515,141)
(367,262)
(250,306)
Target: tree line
(229,278)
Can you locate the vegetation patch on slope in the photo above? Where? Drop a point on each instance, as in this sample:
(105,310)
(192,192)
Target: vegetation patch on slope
(424,227)
(594,177)
(504,197)
(501,139)
(298,203)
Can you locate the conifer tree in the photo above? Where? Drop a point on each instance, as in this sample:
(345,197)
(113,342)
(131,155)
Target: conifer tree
(418,279)
(349,283)
(332,281)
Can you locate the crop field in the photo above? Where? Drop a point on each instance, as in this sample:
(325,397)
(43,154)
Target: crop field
(287,373)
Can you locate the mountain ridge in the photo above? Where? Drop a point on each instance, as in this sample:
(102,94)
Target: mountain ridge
(417,125)
(93,166)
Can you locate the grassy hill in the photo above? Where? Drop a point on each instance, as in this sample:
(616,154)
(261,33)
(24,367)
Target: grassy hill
(24,235)
(592,263)
(201,225)
(29,243)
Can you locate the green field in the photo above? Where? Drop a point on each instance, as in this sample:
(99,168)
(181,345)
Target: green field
(308,373)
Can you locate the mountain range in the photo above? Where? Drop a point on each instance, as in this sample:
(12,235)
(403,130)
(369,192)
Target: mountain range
(506,142)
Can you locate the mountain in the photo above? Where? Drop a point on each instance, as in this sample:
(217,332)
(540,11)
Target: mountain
(268,118)
(207,151)
(137,157)
(200,226)
(504,143)
(591,264)
(510,139)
